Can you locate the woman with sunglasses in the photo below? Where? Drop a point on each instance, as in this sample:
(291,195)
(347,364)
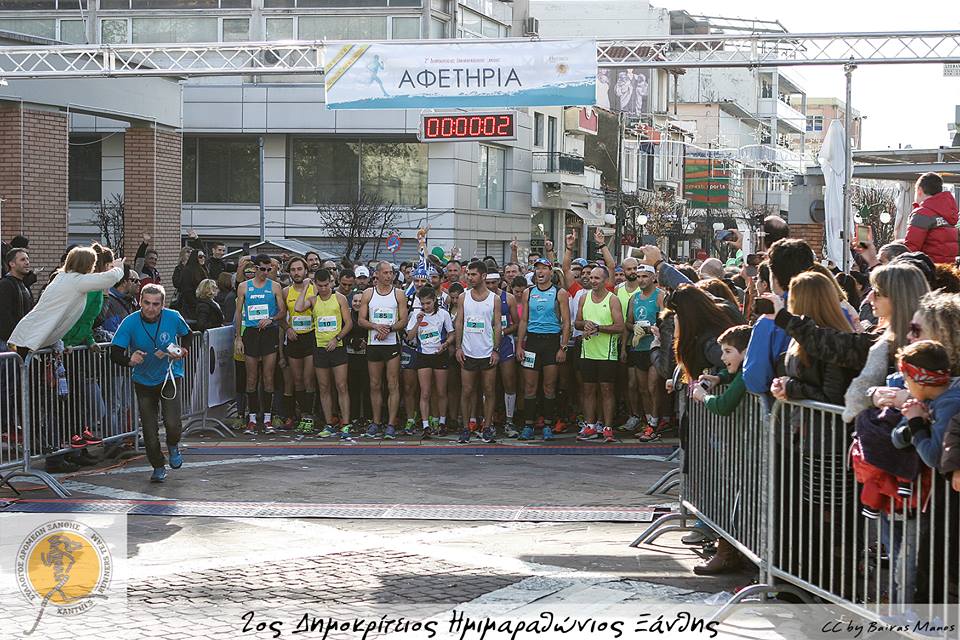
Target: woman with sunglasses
(870,352)
(897,291)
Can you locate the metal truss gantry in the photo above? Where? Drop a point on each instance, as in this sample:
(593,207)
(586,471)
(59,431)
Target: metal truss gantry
(302,57)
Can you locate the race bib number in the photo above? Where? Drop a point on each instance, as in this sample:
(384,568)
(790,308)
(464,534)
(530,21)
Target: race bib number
(384,316)
(475,325)
(406,358)
(529,359)
(302,324)
(503,322)
(258,312)
(326,324)
(429,337)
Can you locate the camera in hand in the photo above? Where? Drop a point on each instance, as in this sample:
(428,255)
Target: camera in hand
(174,350)
(762,306)
(705,385)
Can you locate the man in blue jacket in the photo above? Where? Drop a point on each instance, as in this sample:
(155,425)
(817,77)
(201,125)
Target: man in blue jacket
(768,342)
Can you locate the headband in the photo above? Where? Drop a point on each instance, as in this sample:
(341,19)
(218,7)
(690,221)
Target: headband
(924,377)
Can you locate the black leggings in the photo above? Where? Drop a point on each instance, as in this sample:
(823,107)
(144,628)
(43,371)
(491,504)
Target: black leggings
(358,381)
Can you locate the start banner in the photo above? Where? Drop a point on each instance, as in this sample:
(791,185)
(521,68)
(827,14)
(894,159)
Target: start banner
(461,74)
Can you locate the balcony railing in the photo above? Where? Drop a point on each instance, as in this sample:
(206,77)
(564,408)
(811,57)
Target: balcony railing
(556,162)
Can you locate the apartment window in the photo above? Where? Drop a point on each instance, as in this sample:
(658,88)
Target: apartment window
(438,29)
(471,22)
(221,170)
(113,31)
(174,30)
(85,168)
(174,4)
(42,28)
(326,171)
(150,30)
(73,32)
(538,130)
(644,174)
(404,28)
(279,29)
(167,5)
(492,177)
(28,5)
(342,27)
(814,123)
(475,25)
(395,171)
(236,29)
(629,163)
(332,4)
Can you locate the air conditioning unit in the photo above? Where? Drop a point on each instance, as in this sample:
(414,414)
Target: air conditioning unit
(531,27)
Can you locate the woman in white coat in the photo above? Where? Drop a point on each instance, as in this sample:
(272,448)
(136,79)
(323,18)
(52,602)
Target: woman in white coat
(62,302)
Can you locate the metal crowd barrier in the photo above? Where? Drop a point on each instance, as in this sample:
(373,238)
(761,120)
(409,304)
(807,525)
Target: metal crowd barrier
(201,368)
(61,393)
(893,554)
(11,414)
(780,487)
(52,396)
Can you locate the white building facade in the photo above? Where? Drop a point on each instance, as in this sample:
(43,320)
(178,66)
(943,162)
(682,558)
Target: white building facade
(475,196)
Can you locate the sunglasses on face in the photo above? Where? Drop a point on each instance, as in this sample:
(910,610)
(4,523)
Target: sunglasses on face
(263,268)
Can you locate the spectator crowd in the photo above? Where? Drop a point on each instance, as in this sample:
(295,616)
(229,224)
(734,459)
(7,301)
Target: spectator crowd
(482,350)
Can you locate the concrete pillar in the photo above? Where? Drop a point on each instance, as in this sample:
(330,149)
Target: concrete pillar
(152,198)
(33,181)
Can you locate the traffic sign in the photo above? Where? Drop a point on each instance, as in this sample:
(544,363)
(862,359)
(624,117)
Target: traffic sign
(393,243)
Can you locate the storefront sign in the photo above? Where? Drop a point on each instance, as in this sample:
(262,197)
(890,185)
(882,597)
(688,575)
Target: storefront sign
(462,74)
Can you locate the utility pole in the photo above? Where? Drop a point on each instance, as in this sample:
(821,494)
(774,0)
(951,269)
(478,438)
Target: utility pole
(621,218)
(848,169)
(263,214)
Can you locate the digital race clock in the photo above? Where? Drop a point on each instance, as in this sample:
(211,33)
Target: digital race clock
(462,126)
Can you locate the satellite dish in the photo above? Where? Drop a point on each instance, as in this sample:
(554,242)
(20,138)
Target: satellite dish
(818,212)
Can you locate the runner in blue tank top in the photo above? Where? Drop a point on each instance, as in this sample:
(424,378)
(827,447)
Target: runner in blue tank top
(261,314)
(542,340)
(642,312)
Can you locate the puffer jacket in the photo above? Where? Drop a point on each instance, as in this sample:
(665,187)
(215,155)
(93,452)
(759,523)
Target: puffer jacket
(933,228)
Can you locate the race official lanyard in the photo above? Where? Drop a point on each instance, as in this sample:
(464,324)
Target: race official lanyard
(168,376)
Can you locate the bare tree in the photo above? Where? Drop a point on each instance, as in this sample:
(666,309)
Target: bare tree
(354,224)
(871,201)
(108,217)
(662,210)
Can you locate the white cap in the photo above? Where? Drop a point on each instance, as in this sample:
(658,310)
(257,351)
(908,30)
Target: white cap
(646,268)
(493,275)
(361,272)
